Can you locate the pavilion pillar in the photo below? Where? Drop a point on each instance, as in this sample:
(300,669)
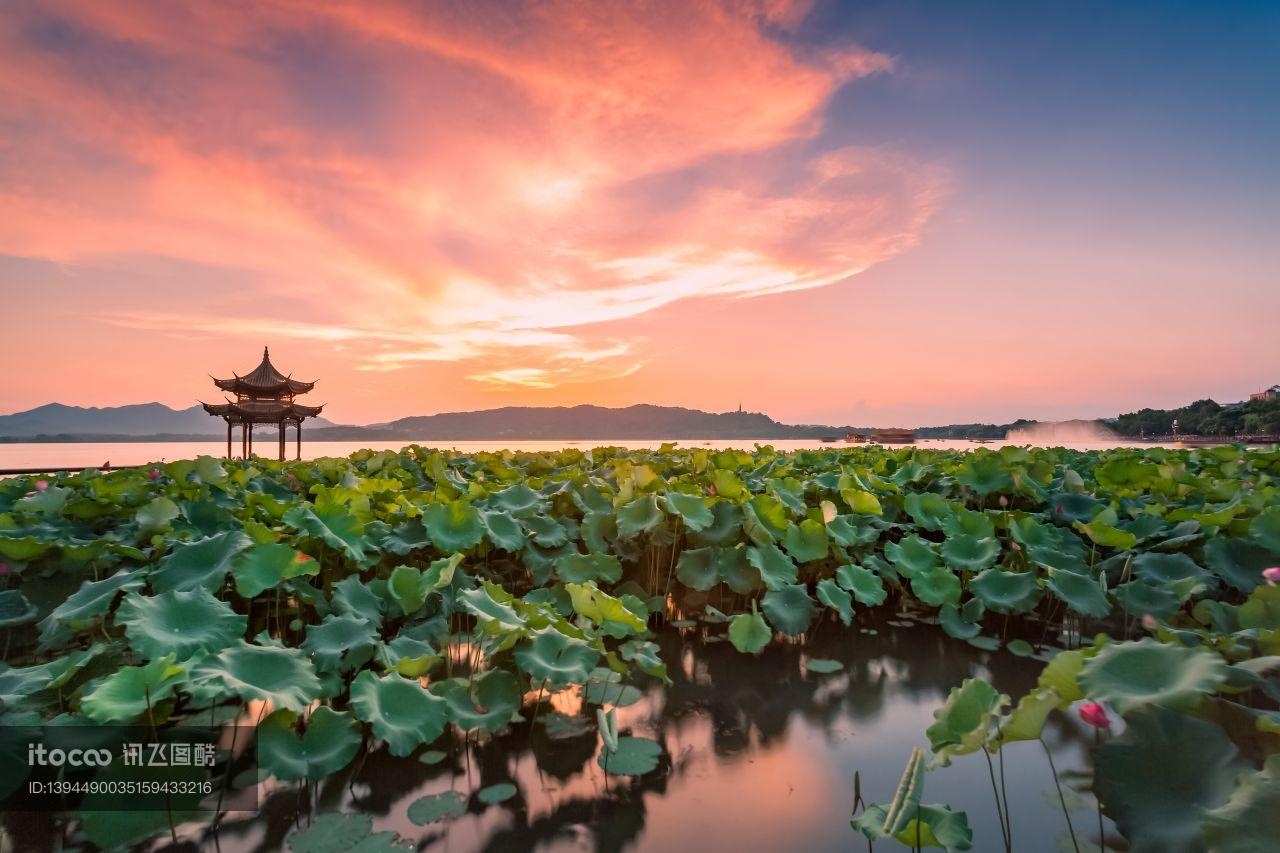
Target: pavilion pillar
(228,438)
(280,441)
(250,453)
(244,440)
(299,428)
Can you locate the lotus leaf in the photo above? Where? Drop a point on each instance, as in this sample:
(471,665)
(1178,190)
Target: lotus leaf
(1148,672)
(1155,779)
(970,553)
(279,675)
(1080,593)
(789,608)
(335,526)
(341,643)
(936,587)
(485,702)
(399,710)
(328,743)
(555,658)
(806,541)
(266,565)
(633,756)
(499,793)
(776,569)
(131,691)
(748,632)
(639,516)
(830,594)
(453,526)
(178,623)
(434,807)
(692,509)
(865,584)
(580,568)
(1006,592)
(963,724)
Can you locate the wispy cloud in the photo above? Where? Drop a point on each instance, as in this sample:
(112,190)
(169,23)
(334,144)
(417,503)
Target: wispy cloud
(498,186)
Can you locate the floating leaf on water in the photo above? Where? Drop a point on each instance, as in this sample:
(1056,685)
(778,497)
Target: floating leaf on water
(432,756)
(1021,648)
(563,726)
(329,742)
(499,793)
(823,665)
(434,807)
(633,756)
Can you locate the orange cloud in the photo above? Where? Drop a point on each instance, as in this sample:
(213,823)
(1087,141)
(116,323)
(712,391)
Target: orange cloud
(482,184)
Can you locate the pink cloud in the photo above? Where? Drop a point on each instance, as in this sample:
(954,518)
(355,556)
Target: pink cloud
(446,183)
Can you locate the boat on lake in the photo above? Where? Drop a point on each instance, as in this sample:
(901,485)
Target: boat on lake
(893,436)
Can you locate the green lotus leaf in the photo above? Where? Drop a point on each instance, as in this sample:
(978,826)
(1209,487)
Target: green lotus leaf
(1061,675)
(985,474)
(936,587)
(830,594)
(499,793)
(178,623)
(1084,595)
(411,657)
(1261,610)
(633,756)
(519,500)
(268,564)
(906,798)
(327,744)
(789,608)
(15,609)
(284,677)
(969,553)
(90,602)
(696,568)
(1140,597)
(341,643)
(1167,568)
(862,501)
(639,516)
(399,710)
(1265,528)
(727,484)
(503,530)
(111,827)
(776,569)
(485,702)
(912,555)
(1027,720)
(407,537)
(610,693)
(930,511)
(409,587)
(492,605)
(866,585)
(546,532)
(335,526)
(850,531)
(1155,779)
(725,529)
(1239,562)
(823,665)
(156,516)
(1249,822)
(580,568)
(204,563)
(606,611)
(453,526)
(351,597)
(955,625)
(1006,592)
(554,658)
(928,826)
(129,692)
(806,541)
(1101,533)
(749,632)
(1148,672)
(692,509)
(434,807)
(332,832)
(963,724)
(770,514)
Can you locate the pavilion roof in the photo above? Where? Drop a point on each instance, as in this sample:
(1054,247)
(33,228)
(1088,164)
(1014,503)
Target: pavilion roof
(262,411)
(264,379)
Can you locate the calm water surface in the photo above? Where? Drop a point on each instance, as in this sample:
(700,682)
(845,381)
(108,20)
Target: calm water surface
(762,756)
(74,455)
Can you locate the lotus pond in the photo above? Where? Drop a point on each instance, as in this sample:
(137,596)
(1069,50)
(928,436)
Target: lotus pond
(657,649)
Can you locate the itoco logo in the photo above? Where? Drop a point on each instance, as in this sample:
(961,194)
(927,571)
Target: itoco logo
(38,756)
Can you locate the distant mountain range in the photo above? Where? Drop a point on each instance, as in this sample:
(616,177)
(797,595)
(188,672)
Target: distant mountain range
(59,422)
(154,421)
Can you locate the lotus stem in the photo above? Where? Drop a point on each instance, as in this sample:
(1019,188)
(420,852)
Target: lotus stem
(1097,742)
(1061,798)
(995,792)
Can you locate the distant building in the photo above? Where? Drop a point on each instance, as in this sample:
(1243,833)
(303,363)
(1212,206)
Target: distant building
(1271,393)
(263,396)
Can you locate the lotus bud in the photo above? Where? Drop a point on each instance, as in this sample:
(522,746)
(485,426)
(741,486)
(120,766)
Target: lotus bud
(1272,575)
(1150,622)
(1095,715)
(153,474)
(1014,546)
(41,485)
(1004,502)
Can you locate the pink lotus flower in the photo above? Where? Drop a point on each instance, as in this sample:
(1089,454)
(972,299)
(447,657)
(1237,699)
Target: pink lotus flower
(1003,501)
(41,485)
(1095,715)
(711,489)
(154,474)
(4,568)
(1015,546)
(1149,622)
(1272,575)
(1246,484)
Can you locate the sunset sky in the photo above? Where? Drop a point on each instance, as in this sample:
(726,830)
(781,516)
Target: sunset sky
(873,213)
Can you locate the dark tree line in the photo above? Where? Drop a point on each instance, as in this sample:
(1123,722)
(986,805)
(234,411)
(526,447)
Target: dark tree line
(1204,417)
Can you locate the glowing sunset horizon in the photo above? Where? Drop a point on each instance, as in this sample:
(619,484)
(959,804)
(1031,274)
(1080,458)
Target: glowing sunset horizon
(829,212)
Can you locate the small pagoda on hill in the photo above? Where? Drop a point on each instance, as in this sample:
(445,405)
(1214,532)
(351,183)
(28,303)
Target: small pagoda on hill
(264,396)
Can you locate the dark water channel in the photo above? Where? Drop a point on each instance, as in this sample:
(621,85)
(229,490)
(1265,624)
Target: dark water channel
(760,755)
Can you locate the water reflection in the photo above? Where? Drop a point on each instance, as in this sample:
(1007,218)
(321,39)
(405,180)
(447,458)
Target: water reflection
(760,755)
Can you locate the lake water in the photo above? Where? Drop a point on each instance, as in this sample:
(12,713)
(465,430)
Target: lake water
(76,455)
(762,756)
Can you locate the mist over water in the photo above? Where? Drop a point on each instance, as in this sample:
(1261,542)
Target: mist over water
(1060,432)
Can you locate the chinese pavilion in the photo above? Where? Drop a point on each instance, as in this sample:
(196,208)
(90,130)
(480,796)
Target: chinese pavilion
(265,396)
